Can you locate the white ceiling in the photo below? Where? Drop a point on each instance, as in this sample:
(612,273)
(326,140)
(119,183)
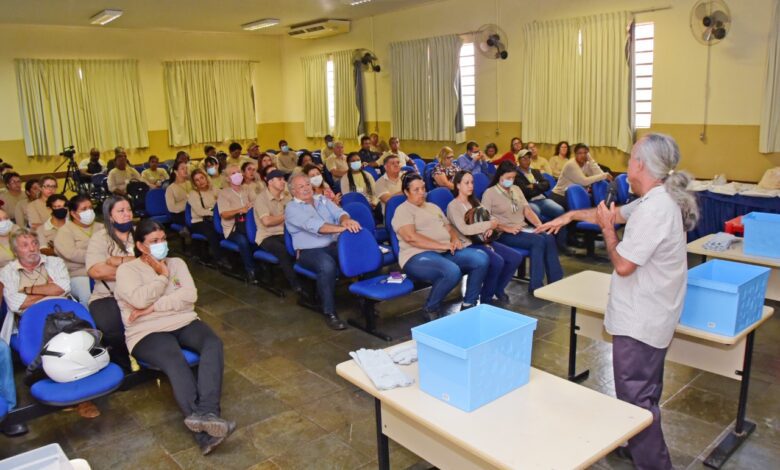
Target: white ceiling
(192,15)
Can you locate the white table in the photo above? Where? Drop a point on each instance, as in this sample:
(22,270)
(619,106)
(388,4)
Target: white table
(548,423)
(587,293)
(736,253)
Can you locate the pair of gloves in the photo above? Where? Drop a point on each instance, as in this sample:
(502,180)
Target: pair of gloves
(380,365)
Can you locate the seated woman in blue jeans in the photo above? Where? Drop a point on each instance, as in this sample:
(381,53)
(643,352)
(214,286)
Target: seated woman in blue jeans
(431,251)
(504,261)
(506,202)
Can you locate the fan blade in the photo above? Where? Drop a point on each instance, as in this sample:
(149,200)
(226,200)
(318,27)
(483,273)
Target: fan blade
(702,10)
(720,16)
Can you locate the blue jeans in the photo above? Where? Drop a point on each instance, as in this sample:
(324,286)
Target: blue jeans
(544,256)
(324,262)
(444,271)
(7,386)
(245,250)
(547,209)
(504,262)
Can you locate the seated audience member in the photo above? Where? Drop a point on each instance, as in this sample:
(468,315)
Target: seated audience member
(202,199)
(374,144)
(177,191)
(154,176)
(182,156)
(58,205)
(269,218)
(8,390)
(537,162)
(473,160)
(557,161)
(430,250)
(211,167)
(235,157)
(13,193)
(395,149)
(389,184)
(111,164)
(581,170)
(252,180)
(286,159)
(32,191)
(504,261)
(93,164)
(304,159)
(337,163)
(491,152)
(506,202)
(37,212)
(359,181)
(515,146)
(327,150)
(157,297)
(108,248)
(265,161)
(222,158)
(121,175)
(209,151)
(7,228)
(315,224)
(234,201)
(368,156)
(319,186)
(71,244)
(446,169)
(253,152)
(534,185)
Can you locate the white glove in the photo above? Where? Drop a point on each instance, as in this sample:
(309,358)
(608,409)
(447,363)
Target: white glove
(378,366)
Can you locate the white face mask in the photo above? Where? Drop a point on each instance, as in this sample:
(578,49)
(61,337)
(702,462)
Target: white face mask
(355,166)
(330,145)
(5,226)
(87,217)
(316,181)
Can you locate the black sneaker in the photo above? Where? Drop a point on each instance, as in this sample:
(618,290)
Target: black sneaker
(210,443)
(429,315)
(209,423)
(334,322)
(251,279)
(15,430)
(503,297)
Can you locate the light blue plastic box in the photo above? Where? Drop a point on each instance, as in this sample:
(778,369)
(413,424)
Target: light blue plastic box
(476,356)
(724,297)
(761,234)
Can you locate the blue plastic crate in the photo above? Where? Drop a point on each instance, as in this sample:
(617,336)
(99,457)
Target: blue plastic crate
(724,297)
(761,232)
(476,356)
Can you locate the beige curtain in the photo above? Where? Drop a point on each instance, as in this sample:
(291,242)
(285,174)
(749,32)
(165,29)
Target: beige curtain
(209,101)
(769,137)
(346,111)
(576,82)
(86,103)
(424,82)
(315,95)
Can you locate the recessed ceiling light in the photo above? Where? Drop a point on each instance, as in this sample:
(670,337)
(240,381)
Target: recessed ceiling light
(260,24)
(105,17)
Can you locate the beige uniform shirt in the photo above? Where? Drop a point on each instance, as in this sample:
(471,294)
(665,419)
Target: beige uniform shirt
(456,214)
(20,213)
(10,201)
(118,179)
(427,220)
(47,232)
(572,173)
(541,164)
(230,200)
(360,186)
(256,187)
(286,162)
(202,204)
(99,249)
(176,197)
(266,204)
(36,212)
(325,153)
(71,244)
(154,177)
(507,207)
(337,163)
(138,286)
(402,157)
(217,182)
(6,254)
(556,165)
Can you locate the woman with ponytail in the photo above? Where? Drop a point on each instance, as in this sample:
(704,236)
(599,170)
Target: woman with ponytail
(649,281)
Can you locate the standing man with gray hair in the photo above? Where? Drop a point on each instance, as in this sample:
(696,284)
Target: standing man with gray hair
(648,284)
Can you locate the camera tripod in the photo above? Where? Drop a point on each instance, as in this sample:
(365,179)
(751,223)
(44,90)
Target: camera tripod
(73,180)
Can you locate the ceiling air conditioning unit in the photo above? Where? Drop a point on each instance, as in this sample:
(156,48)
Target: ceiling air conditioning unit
(319,29)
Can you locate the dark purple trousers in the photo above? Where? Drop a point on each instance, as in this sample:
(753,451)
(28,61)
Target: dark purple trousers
(639,377)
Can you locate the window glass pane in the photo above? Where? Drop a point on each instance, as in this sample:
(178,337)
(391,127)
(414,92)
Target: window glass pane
(467,49)
(469,109)
(643,107)
(644,82)
(643,70)
(642,121)
(466,60)
(466,81)
(469,121)
(467,90)
(643,58)
(644,30)
(643,95)
(470,99)
(644,45)
(466,71)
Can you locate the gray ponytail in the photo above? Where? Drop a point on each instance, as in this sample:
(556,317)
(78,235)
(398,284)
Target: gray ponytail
(660,154)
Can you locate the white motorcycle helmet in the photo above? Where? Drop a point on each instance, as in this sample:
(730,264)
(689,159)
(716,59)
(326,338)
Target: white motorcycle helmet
(72,356)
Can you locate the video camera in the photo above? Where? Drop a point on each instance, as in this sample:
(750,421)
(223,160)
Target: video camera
(68,152)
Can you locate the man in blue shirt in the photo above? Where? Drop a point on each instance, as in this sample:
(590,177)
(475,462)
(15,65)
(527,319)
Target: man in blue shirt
(315,223)
(366,155)
(473,160)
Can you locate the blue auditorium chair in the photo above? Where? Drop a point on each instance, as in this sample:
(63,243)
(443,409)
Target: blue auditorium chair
(365,218)
(353,197)
(155,206)
(622,189)
(481,183)
(441,197)
(577,198)
(550,179)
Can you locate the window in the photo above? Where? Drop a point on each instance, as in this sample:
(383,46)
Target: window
(644,34)
(331,82)
(468,85)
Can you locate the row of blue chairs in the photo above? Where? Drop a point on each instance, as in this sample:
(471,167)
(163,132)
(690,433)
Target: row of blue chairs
(578,198)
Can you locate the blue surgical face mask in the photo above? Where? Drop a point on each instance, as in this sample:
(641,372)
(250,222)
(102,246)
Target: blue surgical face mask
(285,148)
(212,171)
(124,227)
(507,183)
(356,166)
(159,250)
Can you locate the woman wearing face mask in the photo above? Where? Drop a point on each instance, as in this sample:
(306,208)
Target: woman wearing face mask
(319,185)
(157,298)
(71,243)
(37,212)
(506,202)
(109,247)
(57,204)
(32,189)
(7,227)
(234,201)
(359,181)
(211,166)
(202,200)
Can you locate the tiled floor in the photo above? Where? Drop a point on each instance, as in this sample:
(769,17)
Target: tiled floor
(294,412)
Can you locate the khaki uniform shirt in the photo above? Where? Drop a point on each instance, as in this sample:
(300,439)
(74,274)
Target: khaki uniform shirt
(337,163)
(508,208)
(118,179)
(427,220)
(10,201)
(541,164)
(572,173)
(36,212)
(99,249)
(360,186)
(176,197)
(71,244)
(230,200)
(46,233)
(266,204)
(20,212)
(202,204)
(154,177)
